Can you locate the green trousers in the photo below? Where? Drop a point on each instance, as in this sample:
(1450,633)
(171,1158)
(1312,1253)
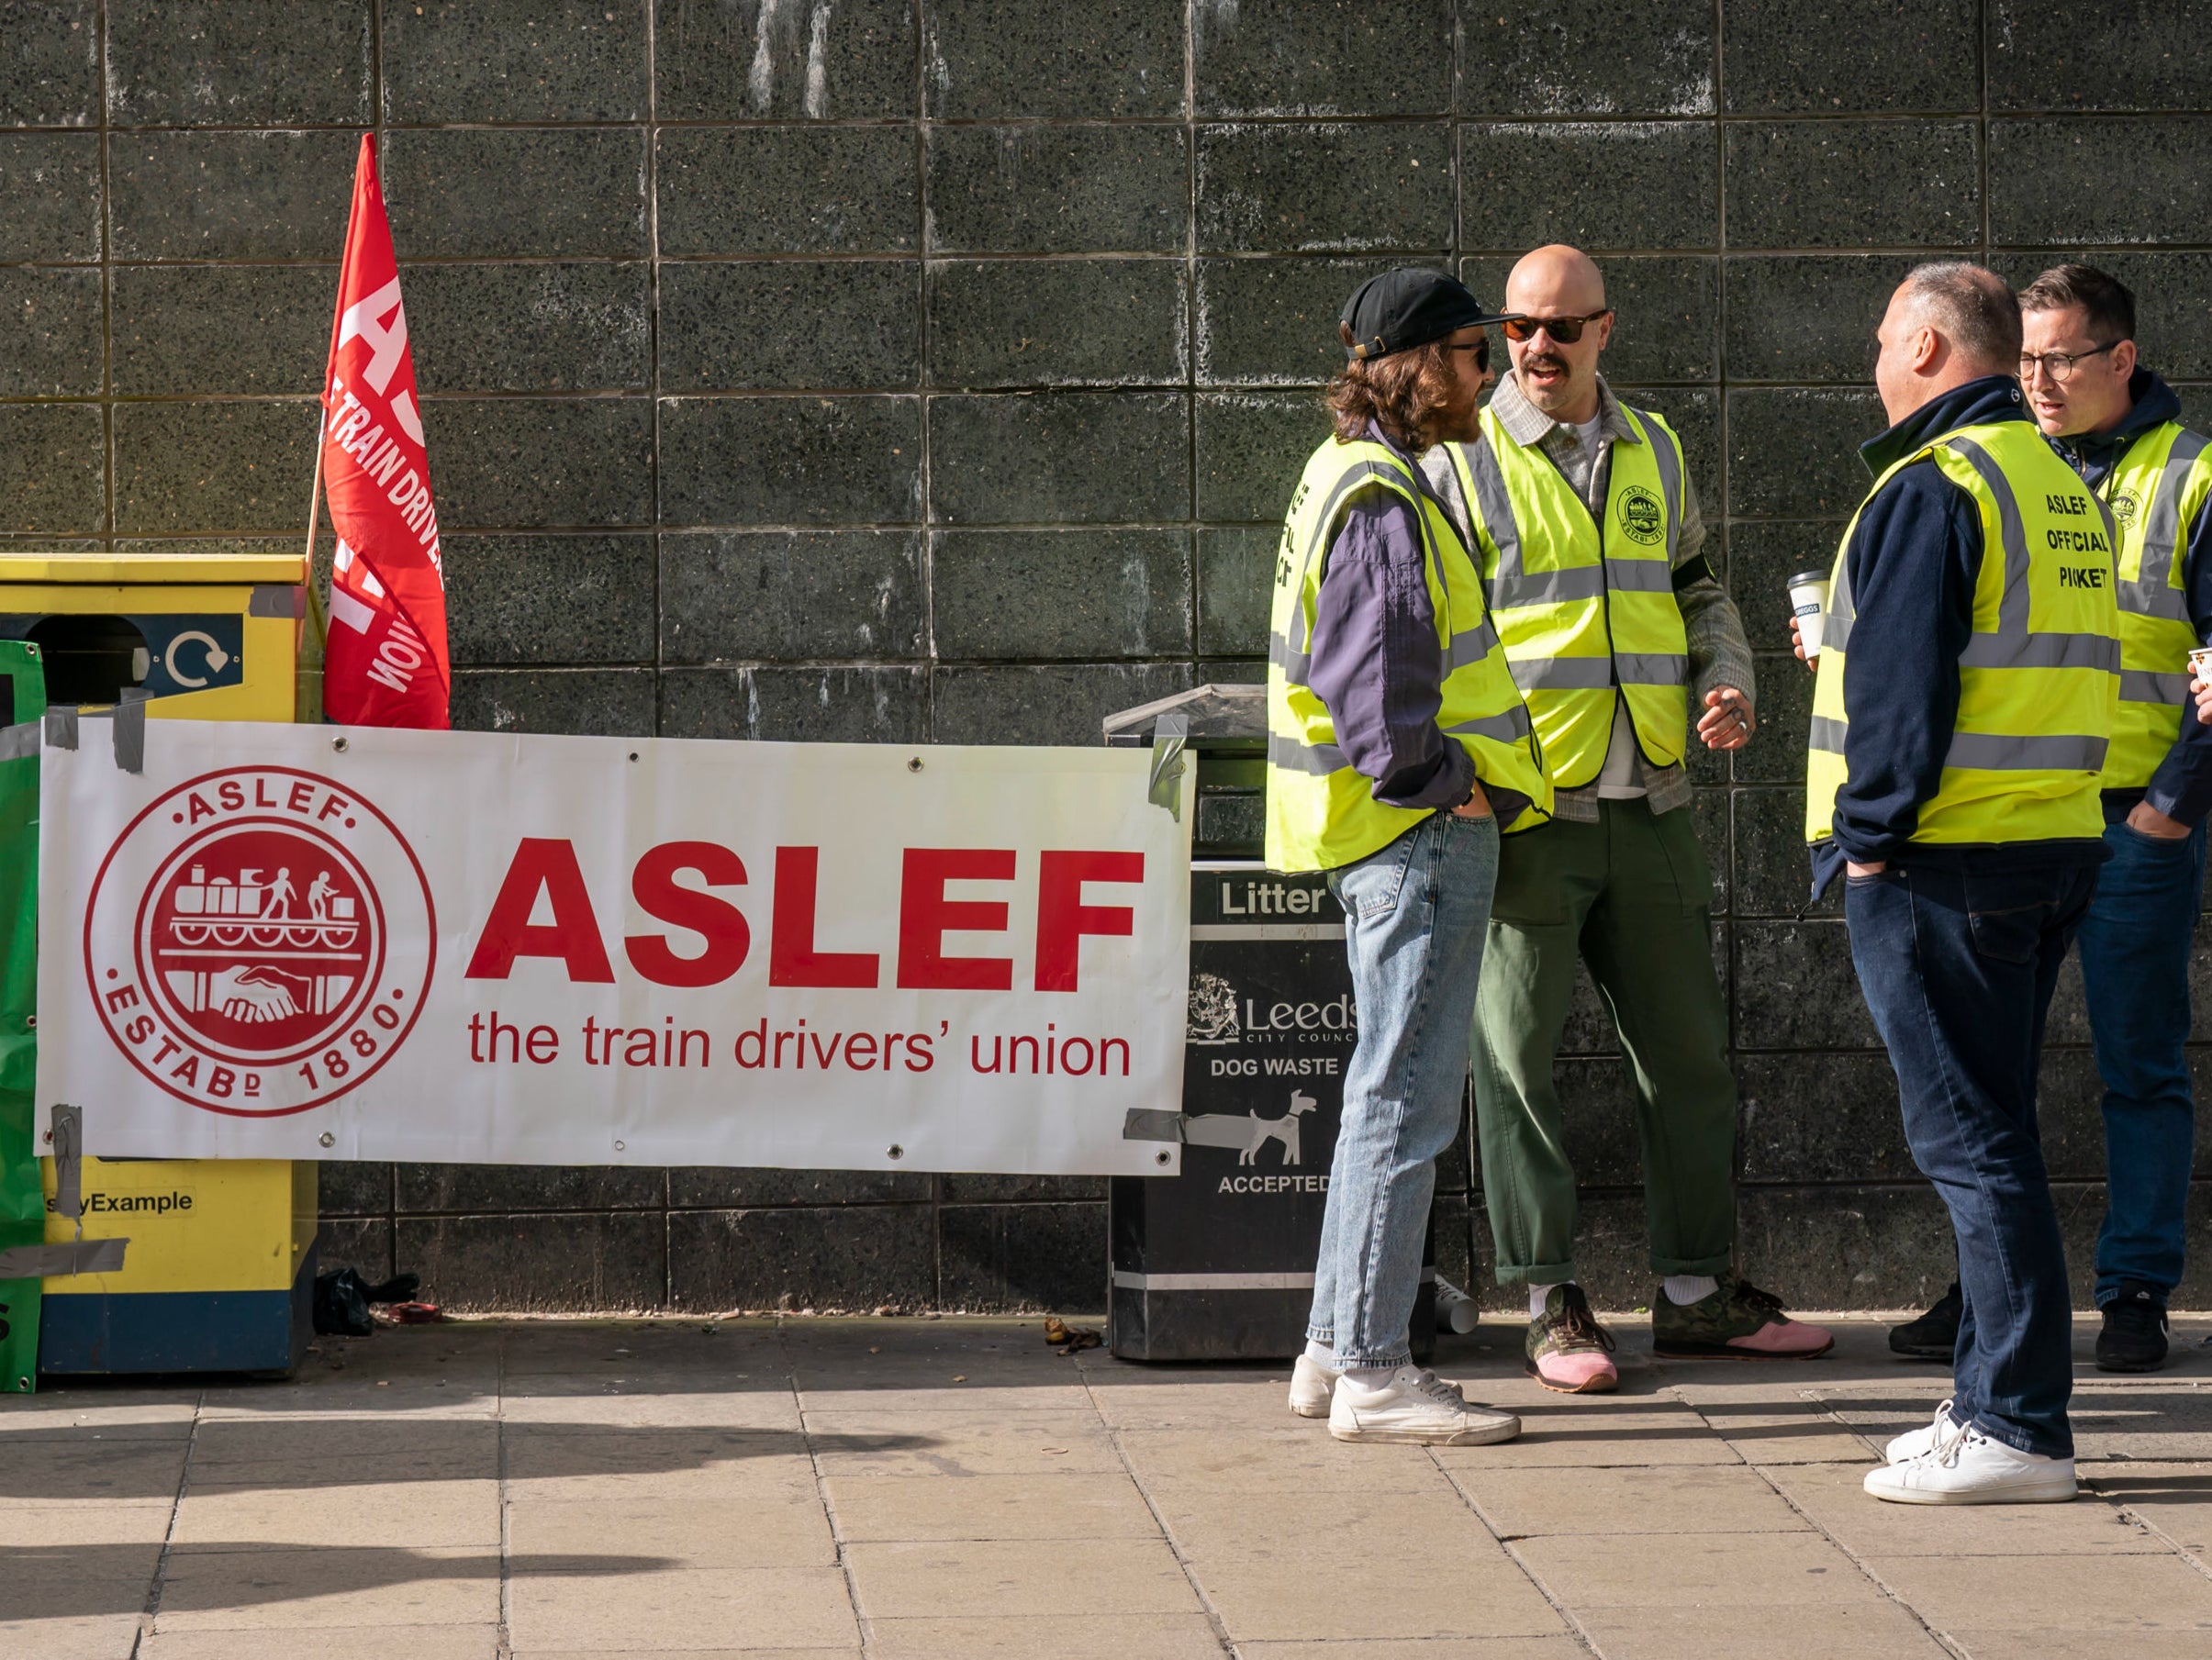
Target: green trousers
(1630,894)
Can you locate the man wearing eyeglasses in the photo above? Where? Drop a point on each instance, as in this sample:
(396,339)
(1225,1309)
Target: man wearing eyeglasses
(1580,513)
(2120,426)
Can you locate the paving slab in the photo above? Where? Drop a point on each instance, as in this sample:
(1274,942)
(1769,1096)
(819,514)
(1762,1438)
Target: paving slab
(2094,1593)
(1075,1505)
(2175,1500)
(337,1643)
(71,1637)
(1768,1571)
(259,1587)
(1053,1579)
(386,1515)
(769,1529)
(642,1611)
(1858,1631)
(1673,1499)
(1022,1637)
(1563,1647)
(909,1442)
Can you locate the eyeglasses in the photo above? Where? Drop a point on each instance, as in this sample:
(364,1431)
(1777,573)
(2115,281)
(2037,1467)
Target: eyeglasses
(1566,330)
(2059,365)
(1480,348)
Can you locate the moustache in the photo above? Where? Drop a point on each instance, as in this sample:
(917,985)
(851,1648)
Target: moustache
(1545,361)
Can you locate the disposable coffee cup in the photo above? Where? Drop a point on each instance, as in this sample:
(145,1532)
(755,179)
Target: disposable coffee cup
(2200,663)
(1809,603)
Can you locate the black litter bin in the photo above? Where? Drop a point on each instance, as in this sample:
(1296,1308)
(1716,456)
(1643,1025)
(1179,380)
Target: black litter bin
(1217,1263)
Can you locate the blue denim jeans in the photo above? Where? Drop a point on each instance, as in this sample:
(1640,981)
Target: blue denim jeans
(1415,913)
(1957,957)
(2135,965)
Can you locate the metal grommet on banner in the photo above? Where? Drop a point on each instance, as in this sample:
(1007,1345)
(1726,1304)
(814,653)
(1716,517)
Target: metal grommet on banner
(914,765)
(621,1147)
(895,1150)
(326,1139)
(1162,1157)
(633,754)
(339,744)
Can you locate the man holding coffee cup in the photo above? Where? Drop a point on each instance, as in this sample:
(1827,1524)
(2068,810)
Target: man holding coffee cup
(1579,512)
(2120,427)
(1969,689)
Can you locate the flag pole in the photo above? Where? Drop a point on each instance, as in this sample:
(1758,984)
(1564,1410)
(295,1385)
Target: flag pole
(307,649)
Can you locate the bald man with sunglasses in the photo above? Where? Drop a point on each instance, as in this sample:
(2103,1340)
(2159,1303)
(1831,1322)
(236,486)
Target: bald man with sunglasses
(1579,511)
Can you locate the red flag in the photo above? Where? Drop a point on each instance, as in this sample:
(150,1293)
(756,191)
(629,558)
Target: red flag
(385,662)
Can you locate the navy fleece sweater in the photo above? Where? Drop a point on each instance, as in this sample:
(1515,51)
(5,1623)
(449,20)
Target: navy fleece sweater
(1914,559)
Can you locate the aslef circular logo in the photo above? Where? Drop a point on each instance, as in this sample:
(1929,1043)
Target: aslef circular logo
(260,941)
(1641,516)
(2124,507)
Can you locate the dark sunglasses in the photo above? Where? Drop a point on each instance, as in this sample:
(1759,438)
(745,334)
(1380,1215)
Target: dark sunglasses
(1480,348)
(1564,330)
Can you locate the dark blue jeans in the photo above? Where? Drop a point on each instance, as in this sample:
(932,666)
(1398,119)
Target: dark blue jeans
(1957,955)
(2135,963)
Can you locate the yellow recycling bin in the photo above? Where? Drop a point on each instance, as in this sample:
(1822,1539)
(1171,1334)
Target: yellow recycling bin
(220,1271)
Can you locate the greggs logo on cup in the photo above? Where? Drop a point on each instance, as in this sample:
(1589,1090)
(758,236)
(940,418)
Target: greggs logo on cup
(1809,603)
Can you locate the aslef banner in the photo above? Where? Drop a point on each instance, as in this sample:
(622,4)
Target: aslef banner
(307,943)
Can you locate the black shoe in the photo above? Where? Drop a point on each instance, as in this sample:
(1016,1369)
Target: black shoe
(2134,1338)
(1935,1335)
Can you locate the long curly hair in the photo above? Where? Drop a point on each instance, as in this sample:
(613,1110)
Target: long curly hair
(1401,394)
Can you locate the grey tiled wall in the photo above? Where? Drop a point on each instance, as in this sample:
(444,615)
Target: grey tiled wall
(867,369)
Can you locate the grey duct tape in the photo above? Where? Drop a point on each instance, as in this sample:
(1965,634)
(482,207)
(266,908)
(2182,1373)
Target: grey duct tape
(20,741)
(276,599)
(1168,738)
(130,730)
(69,1162)
(61,726)
(57,1262)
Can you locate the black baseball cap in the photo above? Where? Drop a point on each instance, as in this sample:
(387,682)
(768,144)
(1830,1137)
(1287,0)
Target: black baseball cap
(1408,308)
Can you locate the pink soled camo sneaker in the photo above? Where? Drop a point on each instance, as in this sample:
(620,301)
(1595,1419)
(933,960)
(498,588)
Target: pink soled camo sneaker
(1567,1350)
(1739,1321)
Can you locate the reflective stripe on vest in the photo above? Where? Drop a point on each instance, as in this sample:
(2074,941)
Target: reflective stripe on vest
(1583,617)
(2036,706)
(2157,492)
(1321,811)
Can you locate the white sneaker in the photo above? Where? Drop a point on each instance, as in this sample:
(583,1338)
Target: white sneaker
(1413,1404)
(1914,1442)
(1310,1384)
(1966,1466)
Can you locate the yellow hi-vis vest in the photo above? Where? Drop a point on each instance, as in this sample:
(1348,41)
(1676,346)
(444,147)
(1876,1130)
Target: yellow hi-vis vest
(1321,811)
(2039,682)
(1586,612)
(2155,495)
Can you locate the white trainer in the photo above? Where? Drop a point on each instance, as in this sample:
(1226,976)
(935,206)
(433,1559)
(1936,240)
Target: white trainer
(1311,1383)
(1914,1442)
(1966,1466)
(1413,1404)
(1311,1386)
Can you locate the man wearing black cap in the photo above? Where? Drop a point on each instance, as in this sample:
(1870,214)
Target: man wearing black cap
(1398,749)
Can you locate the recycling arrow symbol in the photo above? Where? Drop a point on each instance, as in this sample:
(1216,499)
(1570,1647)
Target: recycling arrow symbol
(216,660)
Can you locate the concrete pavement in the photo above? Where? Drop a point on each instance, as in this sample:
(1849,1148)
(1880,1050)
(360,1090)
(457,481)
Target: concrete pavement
(896,1488)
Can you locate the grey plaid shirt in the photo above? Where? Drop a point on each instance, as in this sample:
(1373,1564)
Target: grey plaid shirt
(1719,654)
